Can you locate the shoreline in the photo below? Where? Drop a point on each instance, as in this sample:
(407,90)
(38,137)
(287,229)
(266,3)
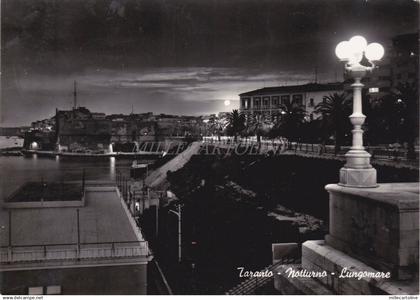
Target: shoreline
(101,155)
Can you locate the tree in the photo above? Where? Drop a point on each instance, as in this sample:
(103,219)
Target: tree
(216,125)
(382,121)
(235,123)
(394,117)
(334,112)
(311,131)
(290,120)
(408,101)
(258,125)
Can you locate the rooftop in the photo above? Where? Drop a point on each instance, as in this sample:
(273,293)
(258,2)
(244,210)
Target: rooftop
(104,224)
(47,191)
(309,87)
(102,219)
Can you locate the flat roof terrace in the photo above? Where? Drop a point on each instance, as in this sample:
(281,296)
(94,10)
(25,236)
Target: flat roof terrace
(105,230)
(47,191)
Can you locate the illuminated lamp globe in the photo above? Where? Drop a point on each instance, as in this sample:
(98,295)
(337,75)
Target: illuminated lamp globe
(358,44)
(355,58)
(374,51)
(343,50)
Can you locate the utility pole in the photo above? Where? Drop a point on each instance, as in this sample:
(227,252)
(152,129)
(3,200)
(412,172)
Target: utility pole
(75,95)
(157,219)
(83,182)
(78,235)
(178,213)
(157,214)
(10,228)
(9,248)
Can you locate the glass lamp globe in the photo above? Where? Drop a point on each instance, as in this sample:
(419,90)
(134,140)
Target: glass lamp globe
(343,50)
(374,51)
(358,44)
(355,58)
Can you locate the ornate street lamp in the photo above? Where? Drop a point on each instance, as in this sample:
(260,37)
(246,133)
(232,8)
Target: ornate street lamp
(358,172)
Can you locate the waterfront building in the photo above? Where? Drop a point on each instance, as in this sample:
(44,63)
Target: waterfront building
(86,245)
(179,126)
(269,101)
(132,128)
(39,140)
(398,66)
(14,131)
(79,129)
(45,125)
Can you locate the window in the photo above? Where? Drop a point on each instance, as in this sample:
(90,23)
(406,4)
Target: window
(311,102)
(275,100)
(35,290)
(54,290)
(285,99)
(266,101)
(245,103)
(257,101)
(297,99)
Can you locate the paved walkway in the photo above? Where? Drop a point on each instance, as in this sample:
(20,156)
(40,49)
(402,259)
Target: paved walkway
(381,156)
(158,176)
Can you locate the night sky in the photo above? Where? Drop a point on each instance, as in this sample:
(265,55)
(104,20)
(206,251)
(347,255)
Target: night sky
(175,56)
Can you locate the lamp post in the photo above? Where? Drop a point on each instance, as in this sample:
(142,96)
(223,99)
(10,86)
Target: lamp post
(358,172)
(178,213)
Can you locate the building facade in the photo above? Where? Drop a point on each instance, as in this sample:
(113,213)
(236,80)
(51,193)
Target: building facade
(79,129)
(270,102)
(86,245)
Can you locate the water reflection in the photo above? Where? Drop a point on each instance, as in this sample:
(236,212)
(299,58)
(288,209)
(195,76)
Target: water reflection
(112,167)
(15,171)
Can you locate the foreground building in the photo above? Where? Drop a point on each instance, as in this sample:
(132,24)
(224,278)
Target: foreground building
(86,245)
(270,101)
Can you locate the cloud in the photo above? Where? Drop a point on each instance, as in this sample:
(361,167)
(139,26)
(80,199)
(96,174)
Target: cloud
(188,91)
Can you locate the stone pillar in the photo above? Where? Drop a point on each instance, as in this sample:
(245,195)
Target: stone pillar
(357,172)
(371,231)
(378,226)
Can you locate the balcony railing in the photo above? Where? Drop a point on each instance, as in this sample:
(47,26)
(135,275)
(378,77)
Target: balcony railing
(32,253)
(262,108)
